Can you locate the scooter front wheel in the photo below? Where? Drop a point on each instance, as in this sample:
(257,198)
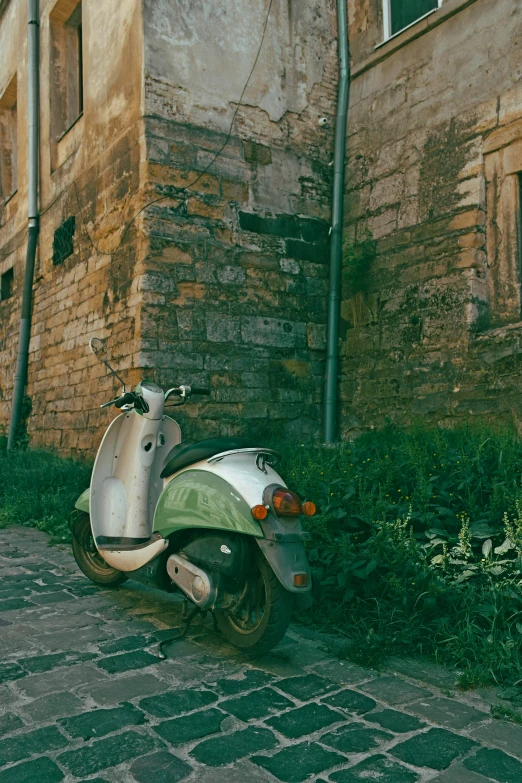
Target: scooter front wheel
(263,616)
(87,557)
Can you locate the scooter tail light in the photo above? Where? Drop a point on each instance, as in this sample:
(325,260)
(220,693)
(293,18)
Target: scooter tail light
(286,503)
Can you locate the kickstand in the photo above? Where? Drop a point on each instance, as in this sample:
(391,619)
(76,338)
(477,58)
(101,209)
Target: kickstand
(179,636)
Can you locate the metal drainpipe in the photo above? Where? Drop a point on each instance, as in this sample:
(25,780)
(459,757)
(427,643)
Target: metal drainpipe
(32,231)
(336,244)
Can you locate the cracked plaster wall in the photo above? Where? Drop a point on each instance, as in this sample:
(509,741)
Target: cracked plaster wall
(424,109)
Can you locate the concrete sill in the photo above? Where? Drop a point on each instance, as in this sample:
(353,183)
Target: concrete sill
(416,30)
(498,331)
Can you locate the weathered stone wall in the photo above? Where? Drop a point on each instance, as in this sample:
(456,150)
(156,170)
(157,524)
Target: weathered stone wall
(235,287)
(93,173)
(434,150)
(221,284)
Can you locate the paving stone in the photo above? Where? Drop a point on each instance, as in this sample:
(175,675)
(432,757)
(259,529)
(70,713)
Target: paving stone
(394,690)
(230,747)
(4,622)
(138,659)
(295,763)
(44,599)
(107,752)
(161,767)
(355,738)
(59,680)
(447,712)
(125,688)
(457,773)
(495,764)
(10,671)
(191,727)
(242,772)
(31,743)
(351,701)
(251,678)
(9,723)
(15,603)
(500,734)
(395,721)
(435,748)
(257,704)
(43,663)
(344,672)
(307,687)
(41,770)
(66,640)
(378,768)
(173,703)
(127,643)
(304,720)
(56,705)
(101,722)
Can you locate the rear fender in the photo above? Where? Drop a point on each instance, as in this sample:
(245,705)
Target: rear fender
(83,502)
(286,559)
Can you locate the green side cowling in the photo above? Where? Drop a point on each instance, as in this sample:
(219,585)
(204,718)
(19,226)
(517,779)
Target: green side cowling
(199,499)
(83,502)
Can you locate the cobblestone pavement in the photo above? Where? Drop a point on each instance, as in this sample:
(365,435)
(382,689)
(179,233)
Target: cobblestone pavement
(83,696)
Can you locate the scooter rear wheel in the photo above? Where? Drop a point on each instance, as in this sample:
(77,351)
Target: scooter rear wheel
(262,619)
(87,557)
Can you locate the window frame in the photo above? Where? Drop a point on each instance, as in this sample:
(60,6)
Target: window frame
(387,20)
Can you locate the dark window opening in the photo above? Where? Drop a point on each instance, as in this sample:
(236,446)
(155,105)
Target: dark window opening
(8,142)
(67,93)
(405,12)
(519,228)
(63,245)
(6,284)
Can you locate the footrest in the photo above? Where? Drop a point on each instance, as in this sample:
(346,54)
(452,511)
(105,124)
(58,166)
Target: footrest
(124,543)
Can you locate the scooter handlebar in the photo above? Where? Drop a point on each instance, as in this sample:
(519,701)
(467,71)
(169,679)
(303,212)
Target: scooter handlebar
(127,399)
(197,390)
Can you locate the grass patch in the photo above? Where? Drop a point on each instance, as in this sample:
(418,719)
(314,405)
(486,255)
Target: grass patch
(417,548)
(39,489)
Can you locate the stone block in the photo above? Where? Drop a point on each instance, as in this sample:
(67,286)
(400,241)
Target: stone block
(500,734)
(37,771)
(355,738)
(60,679)
(378,768)
(191,727)
(393,690)
(246,681)
(306,687)
(229,748)
(31,743)
(436,749)
(125,688)
(351,701)
(305,720)
(177,702)
(398,722)
(139,659)
(298,762)
(495,765)
(97,723)
(448,712)
(108,752)
(55,705)
(161,767)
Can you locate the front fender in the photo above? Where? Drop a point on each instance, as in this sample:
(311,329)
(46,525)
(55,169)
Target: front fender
(287,559)
(83,502)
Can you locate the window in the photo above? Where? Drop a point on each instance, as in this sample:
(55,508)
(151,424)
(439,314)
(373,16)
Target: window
(66,66)
(399,14)
(8,143)
(6,284)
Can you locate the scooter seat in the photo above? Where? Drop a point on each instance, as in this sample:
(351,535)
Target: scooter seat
(187,453)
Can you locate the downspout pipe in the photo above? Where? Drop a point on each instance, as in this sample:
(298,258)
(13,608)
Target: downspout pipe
(336,238)
(33,58)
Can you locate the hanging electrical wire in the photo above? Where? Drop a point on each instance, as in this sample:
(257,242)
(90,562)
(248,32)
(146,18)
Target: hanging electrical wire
(180,191)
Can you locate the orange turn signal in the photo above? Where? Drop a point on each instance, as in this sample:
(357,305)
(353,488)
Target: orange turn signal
(300,580)
(259,512)
(309,508)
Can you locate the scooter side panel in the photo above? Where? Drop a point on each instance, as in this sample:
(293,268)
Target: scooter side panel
(82,504)
(201,499)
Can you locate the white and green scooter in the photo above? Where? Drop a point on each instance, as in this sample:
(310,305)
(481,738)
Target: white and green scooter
(212,519)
